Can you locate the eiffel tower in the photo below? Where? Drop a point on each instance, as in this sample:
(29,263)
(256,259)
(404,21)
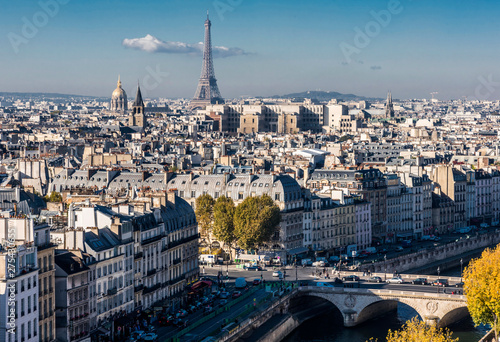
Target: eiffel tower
(207,91)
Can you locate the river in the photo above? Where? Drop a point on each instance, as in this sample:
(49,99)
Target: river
(329,328)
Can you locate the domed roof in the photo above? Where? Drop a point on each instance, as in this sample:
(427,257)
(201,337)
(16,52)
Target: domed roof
(119,93)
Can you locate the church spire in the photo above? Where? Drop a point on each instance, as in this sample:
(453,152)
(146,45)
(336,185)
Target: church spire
(138,97)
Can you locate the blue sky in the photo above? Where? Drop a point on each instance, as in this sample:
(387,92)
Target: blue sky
(276,47)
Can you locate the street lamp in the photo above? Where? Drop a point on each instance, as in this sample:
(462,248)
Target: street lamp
(438,270)
(461,265)
(385,267)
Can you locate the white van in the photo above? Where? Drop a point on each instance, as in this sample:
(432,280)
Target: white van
(207,259)
(320,263)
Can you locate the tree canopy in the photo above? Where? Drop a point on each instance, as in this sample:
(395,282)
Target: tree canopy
(204,215)
(482,288)
(255,221)
(223,228)
(54,197)
(415,330)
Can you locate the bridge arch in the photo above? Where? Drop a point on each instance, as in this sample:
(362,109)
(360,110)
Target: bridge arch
(383,306)
(306,306)
(453,316)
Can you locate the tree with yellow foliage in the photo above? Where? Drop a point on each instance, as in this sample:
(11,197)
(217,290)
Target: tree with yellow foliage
(415,330)
(482,288)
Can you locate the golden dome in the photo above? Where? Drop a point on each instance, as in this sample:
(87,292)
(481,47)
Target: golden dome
(119,93)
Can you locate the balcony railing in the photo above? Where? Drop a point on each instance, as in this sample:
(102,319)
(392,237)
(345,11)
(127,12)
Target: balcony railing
(151,289)
(176,261)
(182,241)
(152,239)
(138,255)
(176,280)
(151,272)
(112,291)
(138,288)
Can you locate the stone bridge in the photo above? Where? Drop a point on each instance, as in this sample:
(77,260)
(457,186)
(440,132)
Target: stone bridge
(361,304)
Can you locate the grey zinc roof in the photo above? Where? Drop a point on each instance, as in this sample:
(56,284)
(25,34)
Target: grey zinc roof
(105,240)
(236,183)
(178,217)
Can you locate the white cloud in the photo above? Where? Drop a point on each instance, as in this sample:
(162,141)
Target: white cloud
(152,44)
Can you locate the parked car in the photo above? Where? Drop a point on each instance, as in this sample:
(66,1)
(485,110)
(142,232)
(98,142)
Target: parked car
(338,281)
(395,280)
(278,274)
(253,268)
(136,335)
(177,322)
(440,282)
(461,284)
(351,278)
(399,249)
(191,308)
(149,337)
(256,281)
(236,294)
(224,295)
(182,313)
(207,310)
(484,225)
(420,281)
(223,302)
(375,279)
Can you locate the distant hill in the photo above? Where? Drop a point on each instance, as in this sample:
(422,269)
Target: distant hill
(325,96)
(46,96)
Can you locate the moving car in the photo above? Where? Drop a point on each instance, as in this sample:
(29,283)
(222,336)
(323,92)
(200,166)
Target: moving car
(256,281)
(254,268)
(375,279)
(278,274)
(420,281)
(461,284)
(350,278)
(236,294)
(223,302)
(240,283)
(440,282)
(395,280)
(224,295)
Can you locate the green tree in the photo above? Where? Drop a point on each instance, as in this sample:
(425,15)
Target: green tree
(54,197)
(415,330)
(205,215)
(482,288)
(223,228)
(255,221)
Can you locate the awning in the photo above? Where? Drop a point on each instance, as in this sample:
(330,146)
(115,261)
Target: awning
(297,250)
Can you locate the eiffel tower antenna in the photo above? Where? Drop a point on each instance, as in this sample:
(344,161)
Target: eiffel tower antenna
(207,91)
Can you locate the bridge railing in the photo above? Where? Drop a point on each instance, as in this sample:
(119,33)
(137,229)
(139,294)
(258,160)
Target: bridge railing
(323,289)
(249,321)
